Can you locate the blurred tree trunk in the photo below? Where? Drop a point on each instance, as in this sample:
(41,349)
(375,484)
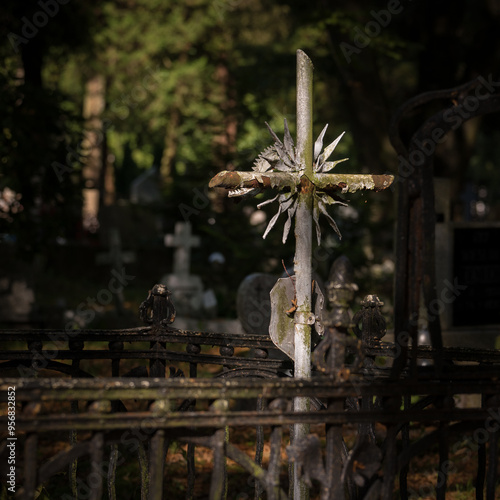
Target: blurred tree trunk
(170,147)
(171,140)
(92,153)
(225,141)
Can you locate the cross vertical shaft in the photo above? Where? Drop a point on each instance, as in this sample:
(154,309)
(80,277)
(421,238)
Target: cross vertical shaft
(303,248)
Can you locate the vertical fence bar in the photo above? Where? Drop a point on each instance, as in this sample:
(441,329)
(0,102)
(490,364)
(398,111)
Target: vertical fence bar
(30,468)
(481,462)
(442,475)
(156,465)
(492,475)
(113,459)
(162,314)
(405,438)
(115,362)
(481,471)
(191,447)
(157,365)
(143,466)
(77,346)
(259,447)
(96,463)
(390,463)
(115,408)
(335,488)
(218,483)
(273,469)
(73,466)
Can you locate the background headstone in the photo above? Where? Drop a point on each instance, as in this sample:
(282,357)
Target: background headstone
(17,300)
(116,258)
(253,303)
(145,189)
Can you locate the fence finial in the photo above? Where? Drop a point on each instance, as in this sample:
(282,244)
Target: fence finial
(158,308)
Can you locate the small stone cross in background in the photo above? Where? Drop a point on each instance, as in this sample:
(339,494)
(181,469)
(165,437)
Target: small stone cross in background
(187,289)
(116,258)
(183,240)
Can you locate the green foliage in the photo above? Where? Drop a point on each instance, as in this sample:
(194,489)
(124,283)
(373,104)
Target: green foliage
(190,84)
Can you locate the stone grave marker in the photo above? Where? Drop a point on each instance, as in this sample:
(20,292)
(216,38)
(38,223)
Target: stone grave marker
(187,289)
(253,303)
(17,300)
(116,258)
(145,189)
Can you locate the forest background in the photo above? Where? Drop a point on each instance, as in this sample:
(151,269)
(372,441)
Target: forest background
(96,93)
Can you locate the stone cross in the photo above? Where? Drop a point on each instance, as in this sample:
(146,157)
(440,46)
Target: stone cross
(116,258)
(183,240)
(187,289)
(304,190)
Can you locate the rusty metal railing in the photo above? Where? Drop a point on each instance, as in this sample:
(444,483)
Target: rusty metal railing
(76,434)
(369,466)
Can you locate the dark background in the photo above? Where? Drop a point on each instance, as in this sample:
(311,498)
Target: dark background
(187,87)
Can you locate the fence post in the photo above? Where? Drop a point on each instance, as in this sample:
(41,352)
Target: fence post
(158,311)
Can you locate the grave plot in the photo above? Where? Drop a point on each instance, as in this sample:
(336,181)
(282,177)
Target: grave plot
(328,418)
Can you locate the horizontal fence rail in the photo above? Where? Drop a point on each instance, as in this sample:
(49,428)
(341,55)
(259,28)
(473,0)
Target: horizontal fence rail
(53,345)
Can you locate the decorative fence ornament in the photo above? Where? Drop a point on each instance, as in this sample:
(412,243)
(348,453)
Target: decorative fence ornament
(370,318)
(158,307)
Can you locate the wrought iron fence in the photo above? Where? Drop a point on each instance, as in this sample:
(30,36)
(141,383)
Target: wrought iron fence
(363,423)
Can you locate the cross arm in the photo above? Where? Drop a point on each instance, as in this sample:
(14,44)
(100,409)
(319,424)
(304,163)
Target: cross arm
(236,180)
(345,183)
(350,183)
